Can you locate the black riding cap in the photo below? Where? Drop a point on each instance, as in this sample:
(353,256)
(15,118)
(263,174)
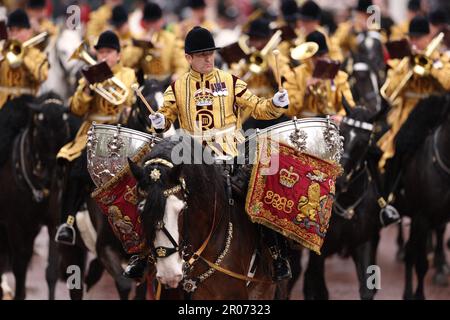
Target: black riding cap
(414,5)
(199,40)
(419,26)
(319,38)
(438,16)
(152,12)
(119,16)
(363,5)
(289,10)
(36,4)
(309,11)
(19,19)
(108,39)
(259,28)
(197,4)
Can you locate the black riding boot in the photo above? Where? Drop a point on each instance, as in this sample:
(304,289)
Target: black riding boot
(278,251)
(388,213)
(74,194)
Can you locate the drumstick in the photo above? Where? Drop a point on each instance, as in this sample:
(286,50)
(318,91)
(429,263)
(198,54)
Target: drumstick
(135,88)
(276,53)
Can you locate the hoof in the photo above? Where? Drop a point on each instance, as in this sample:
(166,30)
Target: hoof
(440,279)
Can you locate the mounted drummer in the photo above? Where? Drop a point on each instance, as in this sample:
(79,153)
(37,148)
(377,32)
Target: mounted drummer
(205,100)
(89,103)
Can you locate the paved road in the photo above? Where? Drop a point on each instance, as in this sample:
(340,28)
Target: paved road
(340,276)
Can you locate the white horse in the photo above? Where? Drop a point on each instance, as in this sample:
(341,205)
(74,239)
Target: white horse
(62,76)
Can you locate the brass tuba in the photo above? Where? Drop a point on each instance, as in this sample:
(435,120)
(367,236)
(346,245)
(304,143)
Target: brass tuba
(113,90)
(304,51)
(15,49)
(258,59)
(422,67)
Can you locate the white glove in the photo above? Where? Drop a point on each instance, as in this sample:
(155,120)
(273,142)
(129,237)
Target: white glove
(281,99)
(158,120)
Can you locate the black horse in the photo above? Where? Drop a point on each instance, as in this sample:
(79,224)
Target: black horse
(355,224)
(110,254)
(422,143)
(365,68)
(27,174)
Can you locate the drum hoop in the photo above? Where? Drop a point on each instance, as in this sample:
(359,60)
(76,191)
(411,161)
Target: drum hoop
(127,131)
(298,121)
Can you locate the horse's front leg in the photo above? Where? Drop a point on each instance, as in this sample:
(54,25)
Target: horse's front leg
(363,257)
(440,262)
(314,287)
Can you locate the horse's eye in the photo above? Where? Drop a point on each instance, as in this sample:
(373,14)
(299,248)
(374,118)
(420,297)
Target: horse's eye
(141,206)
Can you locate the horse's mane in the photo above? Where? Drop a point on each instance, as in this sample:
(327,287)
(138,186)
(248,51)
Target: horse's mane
(202,180)
(428,114)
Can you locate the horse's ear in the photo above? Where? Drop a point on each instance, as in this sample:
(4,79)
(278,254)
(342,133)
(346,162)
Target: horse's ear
(136,170)
(346,105)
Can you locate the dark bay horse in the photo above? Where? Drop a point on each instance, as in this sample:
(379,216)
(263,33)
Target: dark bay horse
(188,221)
(425,181)
(26,177)
(355,224)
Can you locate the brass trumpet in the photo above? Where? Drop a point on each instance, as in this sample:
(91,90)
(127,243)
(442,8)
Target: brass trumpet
(422,67)
(113,90)
(15,49)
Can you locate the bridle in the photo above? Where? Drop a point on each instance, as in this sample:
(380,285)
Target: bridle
(183,248)
(355,173)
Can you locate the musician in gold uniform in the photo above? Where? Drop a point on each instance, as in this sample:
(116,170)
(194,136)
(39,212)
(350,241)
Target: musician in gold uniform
(91,106)
(37,12)
(98,20)
(20,79)
(400,31)
(308,20)
(119,24)
(25,78)
(165,57)
(261,82)
(312,96)
(434,81)
(198,18)
(207,99)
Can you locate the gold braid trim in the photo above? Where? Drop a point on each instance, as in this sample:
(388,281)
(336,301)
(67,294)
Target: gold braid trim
(159,161)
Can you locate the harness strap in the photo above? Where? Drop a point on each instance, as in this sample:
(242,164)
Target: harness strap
(437,156)
(200,250)
(233,274)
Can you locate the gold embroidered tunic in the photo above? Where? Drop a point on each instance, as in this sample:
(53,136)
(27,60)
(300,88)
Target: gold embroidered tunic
(24,79)
(165,59)
(204,103)
(95,108)
(307,102)
(417,88)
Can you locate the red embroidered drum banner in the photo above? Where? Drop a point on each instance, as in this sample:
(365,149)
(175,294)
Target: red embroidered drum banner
(118,201)
(297,199)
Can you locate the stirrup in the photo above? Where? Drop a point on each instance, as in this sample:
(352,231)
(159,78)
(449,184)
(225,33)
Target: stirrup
(388,213)
(69,226)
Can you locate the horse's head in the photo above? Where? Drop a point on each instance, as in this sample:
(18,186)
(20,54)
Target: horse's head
(163,187)
(50,128)
(357,130)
